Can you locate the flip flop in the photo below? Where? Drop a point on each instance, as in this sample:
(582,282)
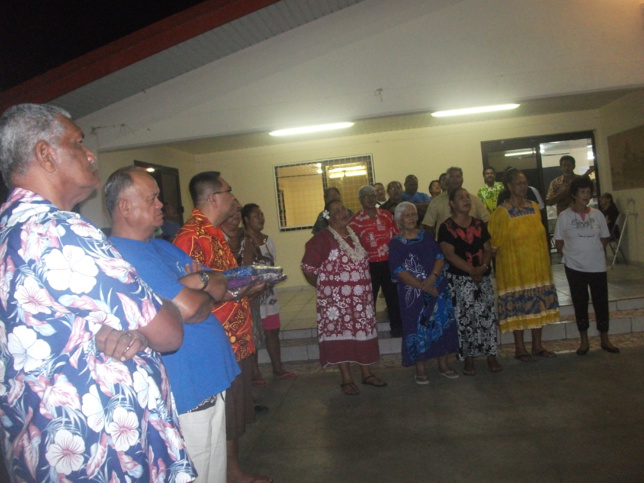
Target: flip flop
(258,382)
(349,389)
(285,375)
(451,374)
(421,380)
(366,382)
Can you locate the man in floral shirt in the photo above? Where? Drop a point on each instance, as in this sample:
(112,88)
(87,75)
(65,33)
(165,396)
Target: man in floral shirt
(203,240)
(83,391)
(375,228)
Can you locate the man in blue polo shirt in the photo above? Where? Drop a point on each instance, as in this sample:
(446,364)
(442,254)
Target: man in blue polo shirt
(202,369)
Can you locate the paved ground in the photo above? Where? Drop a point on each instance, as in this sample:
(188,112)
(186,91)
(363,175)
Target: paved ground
(557,420)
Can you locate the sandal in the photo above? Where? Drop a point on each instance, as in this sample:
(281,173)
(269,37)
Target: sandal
(421,380)
(285,375)
(449,374)
(258,382)
(349,389)
(374,381)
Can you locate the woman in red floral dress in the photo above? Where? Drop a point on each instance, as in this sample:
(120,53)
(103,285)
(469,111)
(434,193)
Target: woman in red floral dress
(337,266)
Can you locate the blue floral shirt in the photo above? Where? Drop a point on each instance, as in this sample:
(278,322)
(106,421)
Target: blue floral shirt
(68,412)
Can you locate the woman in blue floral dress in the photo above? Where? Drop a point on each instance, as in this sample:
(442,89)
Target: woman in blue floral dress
(429,328)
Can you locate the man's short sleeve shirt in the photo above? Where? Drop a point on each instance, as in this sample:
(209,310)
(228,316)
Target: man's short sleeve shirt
(207,245)
(204,365)
(68,411)
(375,234)
(417,198)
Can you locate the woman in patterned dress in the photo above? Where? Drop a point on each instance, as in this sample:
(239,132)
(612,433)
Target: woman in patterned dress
(337,266)
(429,328)
(527,298)
(465,242)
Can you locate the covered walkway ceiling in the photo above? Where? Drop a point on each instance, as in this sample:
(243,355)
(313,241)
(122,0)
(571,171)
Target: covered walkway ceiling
(266,64)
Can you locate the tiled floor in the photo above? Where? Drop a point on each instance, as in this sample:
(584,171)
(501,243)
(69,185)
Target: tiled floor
(297,306)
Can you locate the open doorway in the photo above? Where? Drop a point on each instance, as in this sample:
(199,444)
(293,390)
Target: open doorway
(169,191)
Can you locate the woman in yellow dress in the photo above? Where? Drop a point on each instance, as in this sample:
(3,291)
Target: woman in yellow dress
(527,298)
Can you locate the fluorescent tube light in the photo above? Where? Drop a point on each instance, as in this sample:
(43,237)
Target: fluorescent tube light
(347,174)
(526,152)
(474,110)
(310,129)
(348,168)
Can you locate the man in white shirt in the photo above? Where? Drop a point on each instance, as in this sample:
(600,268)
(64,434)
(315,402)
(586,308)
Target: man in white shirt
(439,209)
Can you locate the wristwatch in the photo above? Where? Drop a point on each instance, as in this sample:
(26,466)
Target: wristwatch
(205,278)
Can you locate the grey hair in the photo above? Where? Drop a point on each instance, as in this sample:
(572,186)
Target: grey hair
(21,128)
(366,190)
(119,181)
(398,212)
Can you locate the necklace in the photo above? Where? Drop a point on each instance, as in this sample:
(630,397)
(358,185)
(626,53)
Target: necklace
(259,240)
(356,254)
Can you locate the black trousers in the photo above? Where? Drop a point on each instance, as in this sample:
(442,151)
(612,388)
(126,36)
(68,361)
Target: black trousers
(598,283)
(381,277)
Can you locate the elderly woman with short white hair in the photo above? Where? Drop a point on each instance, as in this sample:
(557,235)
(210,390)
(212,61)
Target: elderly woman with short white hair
(428,325)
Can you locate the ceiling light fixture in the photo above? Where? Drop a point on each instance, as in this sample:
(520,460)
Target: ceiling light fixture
(342,174)
(346,168)
(525,152)
(475,110)
(310,129)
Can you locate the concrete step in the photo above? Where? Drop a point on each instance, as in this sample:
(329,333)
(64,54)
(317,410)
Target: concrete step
(626,316)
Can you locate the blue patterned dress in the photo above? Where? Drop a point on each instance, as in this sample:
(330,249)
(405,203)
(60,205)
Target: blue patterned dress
(429,327)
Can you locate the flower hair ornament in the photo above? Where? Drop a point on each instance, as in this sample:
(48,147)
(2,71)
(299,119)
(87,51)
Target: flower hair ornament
(325,214)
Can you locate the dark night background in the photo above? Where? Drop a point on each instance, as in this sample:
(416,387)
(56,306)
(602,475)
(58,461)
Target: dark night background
(38,35)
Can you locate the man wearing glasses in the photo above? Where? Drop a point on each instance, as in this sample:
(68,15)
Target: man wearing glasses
(203,239)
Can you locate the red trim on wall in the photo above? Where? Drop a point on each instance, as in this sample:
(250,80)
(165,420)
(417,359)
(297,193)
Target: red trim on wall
(130,49)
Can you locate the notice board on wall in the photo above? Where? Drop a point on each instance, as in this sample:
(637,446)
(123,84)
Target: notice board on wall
(626,153)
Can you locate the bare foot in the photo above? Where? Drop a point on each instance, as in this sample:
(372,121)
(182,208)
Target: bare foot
(469,369)
(493,364)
